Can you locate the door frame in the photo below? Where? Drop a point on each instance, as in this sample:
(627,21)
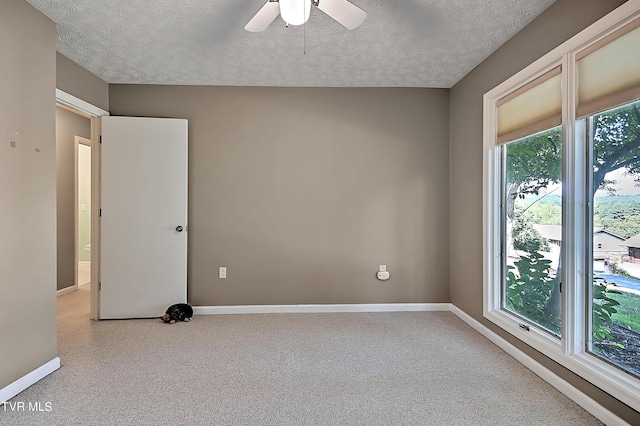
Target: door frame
(93,113)
(78,140)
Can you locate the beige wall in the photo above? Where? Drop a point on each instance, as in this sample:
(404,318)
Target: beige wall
(68,126)
(301,193)
(27,190)
(562,20)
(77,81)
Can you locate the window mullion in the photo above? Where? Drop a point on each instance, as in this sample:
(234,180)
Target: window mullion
(573,219)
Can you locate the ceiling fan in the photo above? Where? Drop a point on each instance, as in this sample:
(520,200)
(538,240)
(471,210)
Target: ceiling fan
(296,12)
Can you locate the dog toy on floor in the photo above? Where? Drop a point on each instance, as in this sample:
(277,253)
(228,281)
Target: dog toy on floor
(178,312)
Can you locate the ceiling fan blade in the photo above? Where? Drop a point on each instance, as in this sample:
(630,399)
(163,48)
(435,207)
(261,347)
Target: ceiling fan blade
(264,17)
(346,13)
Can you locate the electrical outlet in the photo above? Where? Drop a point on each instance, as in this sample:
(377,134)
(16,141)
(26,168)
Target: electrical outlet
(222,272)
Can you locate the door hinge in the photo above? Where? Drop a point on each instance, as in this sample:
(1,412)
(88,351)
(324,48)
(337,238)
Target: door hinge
(99,285)
(100,213)
(100,138)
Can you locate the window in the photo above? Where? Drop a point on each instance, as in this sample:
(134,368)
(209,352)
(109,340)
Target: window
(562,204)
(531,219)
(614,148)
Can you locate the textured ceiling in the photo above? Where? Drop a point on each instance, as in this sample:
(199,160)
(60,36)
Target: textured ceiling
(403,43)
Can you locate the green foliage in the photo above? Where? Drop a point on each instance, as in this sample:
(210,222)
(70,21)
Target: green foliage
(619,215)
(534,162)
(604,306)
(529,290)
(529,286)
(628,311)
(547,213)
(616,143)
(524,235)
(546,210)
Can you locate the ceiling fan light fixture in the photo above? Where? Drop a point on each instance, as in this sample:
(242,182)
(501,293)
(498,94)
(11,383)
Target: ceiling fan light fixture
(295,12)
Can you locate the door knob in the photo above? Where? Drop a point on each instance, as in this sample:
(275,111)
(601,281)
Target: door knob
(178,228)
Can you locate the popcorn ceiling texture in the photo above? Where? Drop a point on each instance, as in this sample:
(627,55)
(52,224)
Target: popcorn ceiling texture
(409,43)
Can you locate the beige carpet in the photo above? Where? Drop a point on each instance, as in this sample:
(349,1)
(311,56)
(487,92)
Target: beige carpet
(287,369)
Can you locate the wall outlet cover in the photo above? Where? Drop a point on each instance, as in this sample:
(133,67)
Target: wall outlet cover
(383,275)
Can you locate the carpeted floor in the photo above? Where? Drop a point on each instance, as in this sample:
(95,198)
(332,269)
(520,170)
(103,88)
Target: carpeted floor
(286,369)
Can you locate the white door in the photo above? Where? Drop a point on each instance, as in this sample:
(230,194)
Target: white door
(143,256)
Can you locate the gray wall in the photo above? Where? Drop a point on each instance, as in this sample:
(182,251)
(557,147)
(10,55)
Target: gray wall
(562,20)
(27,190)
(68,125)
(77,81)
(301,192)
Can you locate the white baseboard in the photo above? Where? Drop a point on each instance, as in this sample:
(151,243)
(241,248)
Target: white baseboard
(66,290)
(321,308)
(580,398)
(24,382)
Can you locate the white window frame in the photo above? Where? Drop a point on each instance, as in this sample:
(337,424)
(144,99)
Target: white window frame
(569,351)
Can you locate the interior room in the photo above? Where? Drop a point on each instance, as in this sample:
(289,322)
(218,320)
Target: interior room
(317,158)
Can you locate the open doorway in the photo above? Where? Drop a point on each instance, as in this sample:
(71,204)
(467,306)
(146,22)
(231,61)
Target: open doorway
(89,115)
(82,211)
(71,128)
